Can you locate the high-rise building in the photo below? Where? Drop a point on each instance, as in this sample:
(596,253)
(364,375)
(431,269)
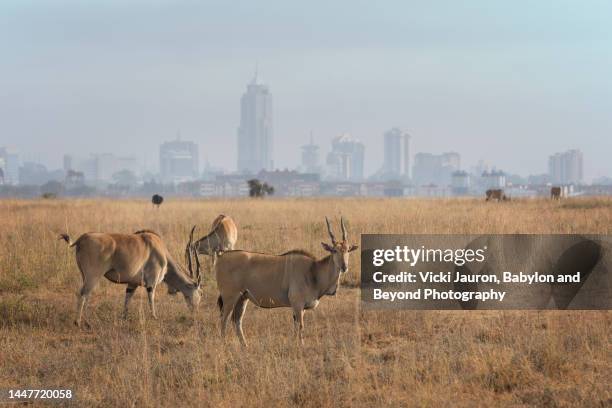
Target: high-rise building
(566,167)
(345,161)
(310,157)
(255,138)
(435,168)
(178,161)
(396,154)
(9,163)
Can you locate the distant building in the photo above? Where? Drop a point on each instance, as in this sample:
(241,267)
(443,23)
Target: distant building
(255,137)
(178,161)
(9,163)
(494,179)
(100,167)
(538,179)
(396,155)
(346,160)
(310,157)
(566,167)
(460,182)
(435,169)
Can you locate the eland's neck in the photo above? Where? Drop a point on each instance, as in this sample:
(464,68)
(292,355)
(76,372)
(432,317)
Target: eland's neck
(178,279)
(325,275)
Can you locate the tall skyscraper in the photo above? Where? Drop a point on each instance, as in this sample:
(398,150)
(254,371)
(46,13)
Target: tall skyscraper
(178,161)
(396,154)
(566,167)
(345,161)
(310,157)
(255,138)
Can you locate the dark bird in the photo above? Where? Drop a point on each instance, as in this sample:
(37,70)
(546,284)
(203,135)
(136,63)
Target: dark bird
(157,200)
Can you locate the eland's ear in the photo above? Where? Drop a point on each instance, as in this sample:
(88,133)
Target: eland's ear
(353,247)
(328,248)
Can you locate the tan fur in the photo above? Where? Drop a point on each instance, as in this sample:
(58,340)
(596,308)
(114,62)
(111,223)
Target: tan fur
(222,237)
(496,194)
(294,279)
(138,259)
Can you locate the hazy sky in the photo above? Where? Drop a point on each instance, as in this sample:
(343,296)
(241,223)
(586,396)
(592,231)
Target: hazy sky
(506,81)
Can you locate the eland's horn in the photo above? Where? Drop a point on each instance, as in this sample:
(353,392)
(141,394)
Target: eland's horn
(198,275)
(188,250)
(344,233)
(329,230)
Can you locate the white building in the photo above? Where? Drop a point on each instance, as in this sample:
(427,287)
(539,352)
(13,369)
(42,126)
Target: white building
(460,182)
(178,161)
(494,179)
(566,167)
(436,169)
(396,154)
(310,158)
(100,167)
(346,160)
(255,136)
(9,164)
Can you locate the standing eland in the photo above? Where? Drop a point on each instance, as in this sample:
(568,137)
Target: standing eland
(295,279)
(138,259)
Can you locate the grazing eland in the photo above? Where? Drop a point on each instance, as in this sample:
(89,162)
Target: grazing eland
(496,194)
(295,279)
(138,259)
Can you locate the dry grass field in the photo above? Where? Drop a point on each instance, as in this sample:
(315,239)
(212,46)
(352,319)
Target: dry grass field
(351,358)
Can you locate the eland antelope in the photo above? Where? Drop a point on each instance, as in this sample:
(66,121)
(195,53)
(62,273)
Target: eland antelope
(222,237)
(138,259)
(294,279)
(496,194)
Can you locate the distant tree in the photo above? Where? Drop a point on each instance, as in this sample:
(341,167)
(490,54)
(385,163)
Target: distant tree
(257,189)
(52,187)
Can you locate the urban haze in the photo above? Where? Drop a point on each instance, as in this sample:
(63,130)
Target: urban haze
(441,96)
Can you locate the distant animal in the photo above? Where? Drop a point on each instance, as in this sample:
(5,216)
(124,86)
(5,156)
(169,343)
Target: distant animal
(555,193)
(496,194)
(222,237)
(294,279)
(157,200)
(138,259)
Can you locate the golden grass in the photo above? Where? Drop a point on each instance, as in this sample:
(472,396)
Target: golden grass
(408,358)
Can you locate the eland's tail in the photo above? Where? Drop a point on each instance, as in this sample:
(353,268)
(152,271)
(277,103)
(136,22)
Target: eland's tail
(66,238)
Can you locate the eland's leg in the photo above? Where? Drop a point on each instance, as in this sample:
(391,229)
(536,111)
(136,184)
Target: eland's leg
(298,323)
(237,316)
(88,285)
(151,296)
(129,292)
(226,311)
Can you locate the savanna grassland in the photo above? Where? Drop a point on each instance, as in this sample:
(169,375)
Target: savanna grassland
(351,358)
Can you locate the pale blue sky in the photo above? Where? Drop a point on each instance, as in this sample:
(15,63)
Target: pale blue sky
(509,82)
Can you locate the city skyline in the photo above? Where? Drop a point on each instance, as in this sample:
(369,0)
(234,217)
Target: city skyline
(509,93)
